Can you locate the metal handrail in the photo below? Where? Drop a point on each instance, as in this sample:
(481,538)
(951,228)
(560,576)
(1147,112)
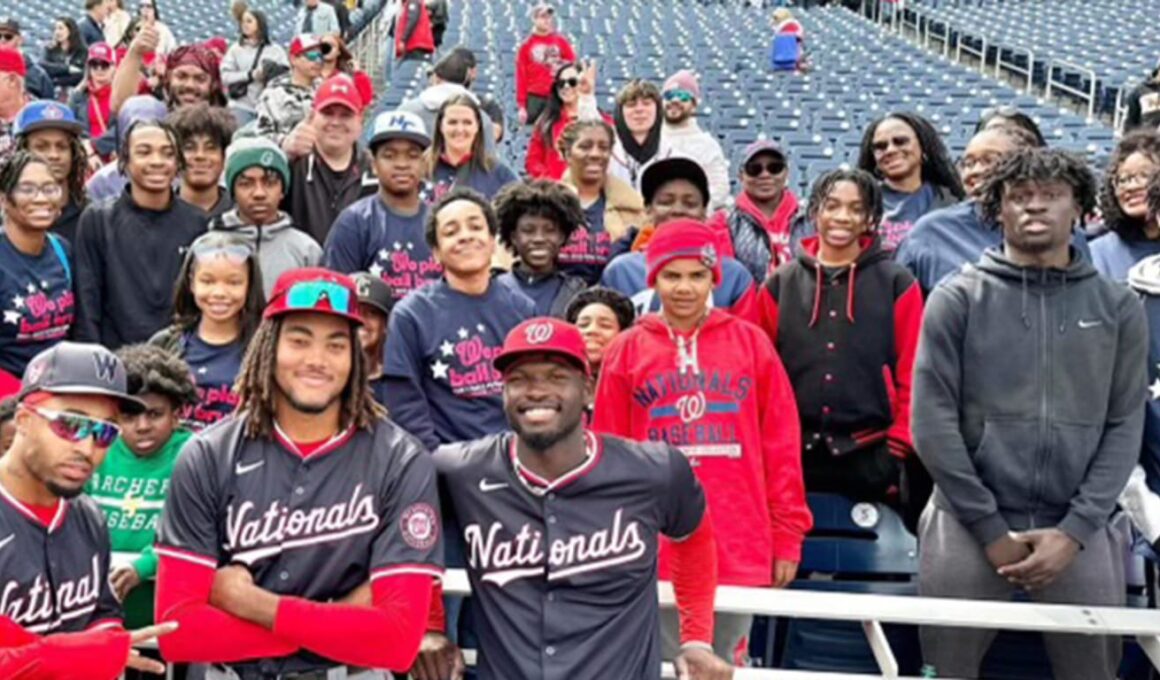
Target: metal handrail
(1063,65)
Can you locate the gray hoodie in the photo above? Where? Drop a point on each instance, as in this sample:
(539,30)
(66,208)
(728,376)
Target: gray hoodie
(280,246)
(1028,399)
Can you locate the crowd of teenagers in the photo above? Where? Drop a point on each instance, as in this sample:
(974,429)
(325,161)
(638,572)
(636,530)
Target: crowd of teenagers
(272,362)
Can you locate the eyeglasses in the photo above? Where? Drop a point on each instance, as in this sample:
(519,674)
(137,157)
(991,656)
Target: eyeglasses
(683,96)
(567,83)
(883,145)
(1138,179)
(73,427)
(968,163)
(307,296)
(29,191)
(755,168)
(235,253)
(99,65)
(1004,111)
(313,55)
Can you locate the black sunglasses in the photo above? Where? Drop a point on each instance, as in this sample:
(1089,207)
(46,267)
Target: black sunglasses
(885,144)
(326,48)
(567,82)
(773,167)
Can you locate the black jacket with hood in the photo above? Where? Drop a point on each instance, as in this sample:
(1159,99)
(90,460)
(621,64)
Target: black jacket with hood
(1029,391)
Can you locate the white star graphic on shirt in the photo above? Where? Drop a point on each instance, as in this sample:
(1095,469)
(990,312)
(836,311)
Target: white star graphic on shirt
(12,317)
(1154,388)
(375,270)
(480,327)
(18,302)
(44,284)
(384,254)
(203,370)
(397,245)
(462,333)
(447,348)
(31,288)
(410,246)
(439,370)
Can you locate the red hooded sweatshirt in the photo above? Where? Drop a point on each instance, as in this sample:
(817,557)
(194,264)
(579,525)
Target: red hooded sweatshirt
(719,394)
(536,65)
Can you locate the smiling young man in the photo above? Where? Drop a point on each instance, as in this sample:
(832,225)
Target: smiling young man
(288,99)
(204,132)
(536,219)
(598,505)
(129,251)
(1029,393)
(301,535)
(257,174)
(62,615)
(712,385)
(441,338)
(682,136)
(385,234)
(192,73)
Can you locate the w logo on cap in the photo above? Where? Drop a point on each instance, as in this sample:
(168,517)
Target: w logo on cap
(539,333)
(105,364)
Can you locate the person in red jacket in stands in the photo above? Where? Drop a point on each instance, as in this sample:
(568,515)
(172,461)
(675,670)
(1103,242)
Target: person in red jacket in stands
(845,320)
(413,36)
(712,385)
(573,98)
(537,62)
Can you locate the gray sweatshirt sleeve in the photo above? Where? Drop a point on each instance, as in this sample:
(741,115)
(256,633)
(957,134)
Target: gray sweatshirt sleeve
(1119,448)
(935,410)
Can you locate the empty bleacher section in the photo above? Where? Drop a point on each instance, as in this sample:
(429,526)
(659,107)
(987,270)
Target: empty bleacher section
(860,71)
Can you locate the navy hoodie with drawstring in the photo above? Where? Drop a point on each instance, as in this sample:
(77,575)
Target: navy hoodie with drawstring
(1028,397)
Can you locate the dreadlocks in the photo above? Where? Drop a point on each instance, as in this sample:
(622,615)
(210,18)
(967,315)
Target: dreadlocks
(867,188)
(937,168)
(1038,165)
(77,169)
(256,385)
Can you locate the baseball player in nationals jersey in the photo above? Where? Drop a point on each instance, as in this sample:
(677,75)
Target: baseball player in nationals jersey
(561,528)
(301,536)
(58,616)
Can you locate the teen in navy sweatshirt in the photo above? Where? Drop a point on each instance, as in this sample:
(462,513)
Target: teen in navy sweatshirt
(441,385)
(845,321)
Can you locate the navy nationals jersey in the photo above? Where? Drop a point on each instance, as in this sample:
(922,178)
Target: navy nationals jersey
(55,578)
(361,507)
(565,573)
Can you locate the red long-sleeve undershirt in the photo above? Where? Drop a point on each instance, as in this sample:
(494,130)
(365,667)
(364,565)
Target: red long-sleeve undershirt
(102,653)
(694,572)
(386,635)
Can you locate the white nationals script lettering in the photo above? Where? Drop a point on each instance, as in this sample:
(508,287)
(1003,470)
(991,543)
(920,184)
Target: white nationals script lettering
(35,610)
(523,556)
(252,535)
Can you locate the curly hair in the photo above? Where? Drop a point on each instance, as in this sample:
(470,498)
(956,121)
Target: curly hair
(151,370)
(1154,197)
(78,167)
(256,386)
(937,167)
(868,189)
(612,299)
(1038,165)
(538,198)
(1146,142)
(431,230)
(214,122)
(571,133)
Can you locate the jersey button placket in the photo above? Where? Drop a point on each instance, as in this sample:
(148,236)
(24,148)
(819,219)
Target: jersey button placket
(552,624)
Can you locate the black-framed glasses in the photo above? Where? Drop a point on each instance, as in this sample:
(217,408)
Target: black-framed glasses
(884,144)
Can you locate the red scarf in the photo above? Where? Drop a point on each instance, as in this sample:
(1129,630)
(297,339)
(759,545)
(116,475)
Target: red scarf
(99,112)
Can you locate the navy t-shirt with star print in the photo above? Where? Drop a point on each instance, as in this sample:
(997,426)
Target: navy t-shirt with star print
(442,386)
(36,299)
(214,369)
(370,237)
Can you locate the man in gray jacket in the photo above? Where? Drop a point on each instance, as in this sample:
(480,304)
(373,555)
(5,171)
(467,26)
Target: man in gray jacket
(1028,412)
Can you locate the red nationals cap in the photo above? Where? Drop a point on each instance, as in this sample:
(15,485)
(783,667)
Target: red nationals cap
(314,289)
(11,61)
(543,335)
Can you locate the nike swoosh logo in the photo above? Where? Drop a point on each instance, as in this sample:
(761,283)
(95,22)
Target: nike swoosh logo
(7,540)
(486,486)
(243,469)
(1089,324)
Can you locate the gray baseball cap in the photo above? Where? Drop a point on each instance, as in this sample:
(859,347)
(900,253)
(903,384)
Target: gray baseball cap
(79,368)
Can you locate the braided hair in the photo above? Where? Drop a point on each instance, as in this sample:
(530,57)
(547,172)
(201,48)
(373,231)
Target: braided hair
(1038,165)
(937,167)
(868,189)
(539,198)
(1146,142)
(257,388)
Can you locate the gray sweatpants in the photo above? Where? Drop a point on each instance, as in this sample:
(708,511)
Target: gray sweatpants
(952,564)
(728,631)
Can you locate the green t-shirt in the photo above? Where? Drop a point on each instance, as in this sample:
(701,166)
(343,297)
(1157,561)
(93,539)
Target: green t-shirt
(131,491)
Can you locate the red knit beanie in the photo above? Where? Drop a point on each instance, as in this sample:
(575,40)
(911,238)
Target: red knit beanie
(683,239)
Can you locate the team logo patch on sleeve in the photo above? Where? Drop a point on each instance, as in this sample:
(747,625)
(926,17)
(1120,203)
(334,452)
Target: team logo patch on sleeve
(420,526)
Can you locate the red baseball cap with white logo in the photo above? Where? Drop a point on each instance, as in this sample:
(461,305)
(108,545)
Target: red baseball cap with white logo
(304,42)
(543,335)
(339,89)
(102,52)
